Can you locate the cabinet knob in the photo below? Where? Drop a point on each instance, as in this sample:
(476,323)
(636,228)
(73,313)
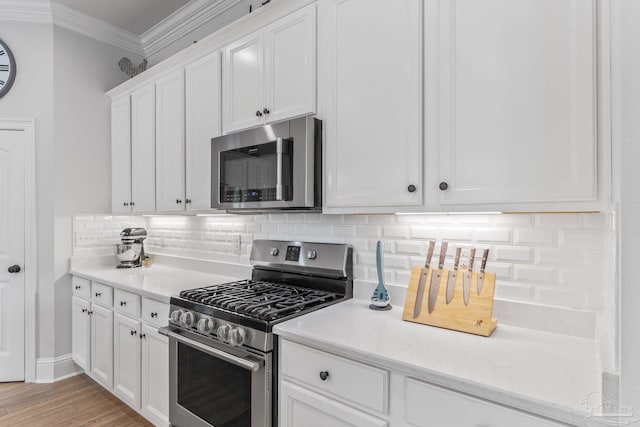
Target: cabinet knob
(123,303)
(258,113)
(126,204)
(84,310)
(178,201)
(89,313)
(443,186)
(14,269)
(154,314)
(132,204)
(266,111)
(133,333)
(98,294)
(411,188)
(77,288)
(324,375)
(142,336)
(187,201)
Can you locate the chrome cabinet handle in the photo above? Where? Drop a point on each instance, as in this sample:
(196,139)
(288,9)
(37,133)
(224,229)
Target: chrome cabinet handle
(279,169)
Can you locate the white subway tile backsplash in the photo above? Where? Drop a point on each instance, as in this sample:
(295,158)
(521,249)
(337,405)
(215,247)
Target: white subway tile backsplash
(548,260)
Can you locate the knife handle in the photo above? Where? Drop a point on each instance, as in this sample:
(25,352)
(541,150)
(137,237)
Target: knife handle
(472,256)
(432,246)
(443,254)
(485,255)
(456,262)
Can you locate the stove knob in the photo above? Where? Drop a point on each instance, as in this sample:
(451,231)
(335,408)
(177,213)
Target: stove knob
(274,251)
(187,319)
(205,326)
(312,254)
(176,315)
(237,337)
(223,333)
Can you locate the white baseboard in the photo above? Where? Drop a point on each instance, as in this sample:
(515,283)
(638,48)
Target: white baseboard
(52,369)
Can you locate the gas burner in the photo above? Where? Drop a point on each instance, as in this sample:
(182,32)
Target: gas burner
(258,299)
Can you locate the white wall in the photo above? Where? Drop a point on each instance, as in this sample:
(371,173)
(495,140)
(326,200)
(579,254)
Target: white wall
(628,17)
(31,97)
(84,69)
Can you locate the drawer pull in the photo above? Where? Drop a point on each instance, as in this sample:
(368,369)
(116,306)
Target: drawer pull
(123,303)
(133,333)
(154,314)
(98,294)
(324,375)
(84,310)
(78,287)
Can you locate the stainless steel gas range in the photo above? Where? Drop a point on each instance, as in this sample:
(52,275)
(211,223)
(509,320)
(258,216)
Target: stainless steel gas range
(222,352)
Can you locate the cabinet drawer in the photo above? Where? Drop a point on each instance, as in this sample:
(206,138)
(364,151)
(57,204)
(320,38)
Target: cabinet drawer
(102,294)
(346,379)
(81,287)
(429,405)
(126,303)
(154,312)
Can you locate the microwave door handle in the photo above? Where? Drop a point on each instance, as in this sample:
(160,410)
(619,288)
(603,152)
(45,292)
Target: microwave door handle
(279,169)
(238,361)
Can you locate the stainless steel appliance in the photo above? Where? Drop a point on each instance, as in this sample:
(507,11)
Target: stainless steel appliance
(222,353)
(275,167)
(130,252)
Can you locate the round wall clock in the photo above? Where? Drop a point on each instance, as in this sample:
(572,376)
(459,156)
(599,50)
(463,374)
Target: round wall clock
(7,69)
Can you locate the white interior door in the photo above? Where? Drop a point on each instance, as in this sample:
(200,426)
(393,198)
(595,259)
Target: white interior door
(12,187)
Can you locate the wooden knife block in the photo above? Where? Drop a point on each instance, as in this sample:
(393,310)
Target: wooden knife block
(474,318)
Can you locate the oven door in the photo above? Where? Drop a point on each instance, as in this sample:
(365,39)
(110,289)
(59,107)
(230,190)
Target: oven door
(212,384)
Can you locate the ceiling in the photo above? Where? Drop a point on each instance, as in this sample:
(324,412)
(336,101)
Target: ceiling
(135,16)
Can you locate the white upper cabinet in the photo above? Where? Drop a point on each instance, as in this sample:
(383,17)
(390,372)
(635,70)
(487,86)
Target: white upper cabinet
(170,142)
(517,103)
(143,149)
(121,155)
(371,84)
(269,75)
(290,62)
(203,122)
(243,83)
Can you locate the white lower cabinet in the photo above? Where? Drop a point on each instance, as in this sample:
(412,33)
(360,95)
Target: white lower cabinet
(126,357)
(155,375)
(301,407)
(102,345)
(123,351)
(317,388)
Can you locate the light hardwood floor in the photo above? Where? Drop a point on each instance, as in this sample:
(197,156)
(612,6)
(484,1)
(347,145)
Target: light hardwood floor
(77,401)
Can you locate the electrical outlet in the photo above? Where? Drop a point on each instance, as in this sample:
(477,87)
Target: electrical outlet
(89,238)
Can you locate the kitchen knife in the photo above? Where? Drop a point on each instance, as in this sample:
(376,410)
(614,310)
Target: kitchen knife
(436,276)
(483,264)
(453,278)
(423,280)
(467,277)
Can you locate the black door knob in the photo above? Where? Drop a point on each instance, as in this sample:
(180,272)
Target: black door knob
(443,186)
(14,269)
(411,188)
(324,375)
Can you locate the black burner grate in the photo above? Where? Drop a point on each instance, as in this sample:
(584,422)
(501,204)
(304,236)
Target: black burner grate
(261,300)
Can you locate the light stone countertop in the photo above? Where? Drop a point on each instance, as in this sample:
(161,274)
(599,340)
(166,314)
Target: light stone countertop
(159,282)
(542,373)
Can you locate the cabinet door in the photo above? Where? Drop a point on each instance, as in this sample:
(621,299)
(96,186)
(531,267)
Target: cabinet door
(170,119)
(243,99)
(517,102)
(373,149)
(300,407)
(143,149)
(102,345)
(290,60)
(121,155)
(204,119)
(127,359)
(81,332)
(155,375)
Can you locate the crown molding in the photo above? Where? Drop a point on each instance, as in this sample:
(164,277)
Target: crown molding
(86,25)
(180,23)
(25,11)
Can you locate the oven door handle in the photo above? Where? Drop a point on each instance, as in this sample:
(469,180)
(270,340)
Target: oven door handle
(238,361)
(279,169)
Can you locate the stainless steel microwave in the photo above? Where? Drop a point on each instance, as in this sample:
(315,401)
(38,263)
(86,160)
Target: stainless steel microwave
(274,167)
